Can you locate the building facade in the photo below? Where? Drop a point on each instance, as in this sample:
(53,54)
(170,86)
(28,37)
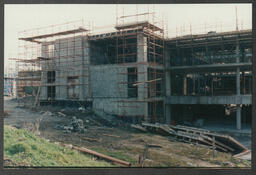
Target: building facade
(137,73)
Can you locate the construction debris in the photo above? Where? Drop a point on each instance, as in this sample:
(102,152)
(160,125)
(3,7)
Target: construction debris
(154,146)
(111,135)
(47,113)
(60,113)
(198,136)
(76,125)
(95,122)
(91,139)
(81,109)
(244,155)
(138,127)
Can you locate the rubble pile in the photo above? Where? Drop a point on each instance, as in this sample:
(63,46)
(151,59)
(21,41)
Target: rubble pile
(47,113)
(76,125)
(90,118)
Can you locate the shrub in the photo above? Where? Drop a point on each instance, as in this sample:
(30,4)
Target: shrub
(18,148)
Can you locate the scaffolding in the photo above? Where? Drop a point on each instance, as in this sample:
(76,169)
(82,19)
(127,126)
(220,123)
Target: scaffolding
(140,52)
(50,58)
(10,80)
(208,63)
(55,65)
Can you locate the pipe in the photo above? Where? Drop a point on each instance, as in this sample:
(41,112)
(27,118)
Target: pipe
(85,150)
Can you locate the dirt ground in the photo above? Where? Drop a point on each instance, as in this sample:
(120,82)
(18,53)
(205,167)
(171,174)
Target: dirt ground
(120,141)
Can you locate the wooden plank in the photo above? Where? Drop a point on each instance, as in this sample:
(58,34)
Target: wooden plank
(91,139)
(139,127)
(167,129)
(179,127)
(95,122)
(32,39)
(198,138)
(219,143)
(242,153)
(199,135)
(109,135)
(149,81)
(217,136)
(162,127)
(237,143)
(223,149)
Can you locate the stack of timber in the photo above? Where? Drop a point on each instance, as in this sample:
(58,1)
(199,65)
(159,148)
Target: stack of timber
(196,136)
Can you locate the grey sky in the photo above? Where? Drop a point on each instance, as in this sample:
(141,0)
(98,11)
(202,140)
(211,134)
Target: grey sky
(201,17)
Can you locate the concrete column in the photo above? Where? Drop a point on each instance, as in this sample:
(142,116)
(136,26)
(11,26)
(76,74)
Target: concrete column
(185,85)
(238,110)
(238,81)
(168,114)
(142,72)
(167,87)
(237,70)
(238,117)
(194,84)
(167,75)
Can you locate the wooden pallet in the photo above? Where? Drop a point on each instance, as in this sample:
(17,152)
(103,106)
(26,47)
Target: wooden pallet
(194,135)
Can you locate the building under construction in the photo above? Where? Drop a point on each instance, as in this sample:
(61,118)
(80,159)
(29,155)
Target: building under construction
(135,72)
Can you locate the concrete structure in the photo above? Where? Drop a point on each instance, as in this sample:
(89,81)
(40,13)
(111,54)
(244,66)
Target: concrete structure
(136,73)
(118,73)
(215,73)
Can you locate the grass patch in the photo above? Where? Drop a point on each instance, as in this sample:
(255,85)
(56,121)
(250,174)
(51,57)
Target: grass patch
(117,154)
(24,148)
(18,148)
(218,158)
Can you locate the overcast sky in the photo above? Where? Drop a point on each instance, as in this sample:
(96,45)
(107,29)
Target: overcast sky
(201,18)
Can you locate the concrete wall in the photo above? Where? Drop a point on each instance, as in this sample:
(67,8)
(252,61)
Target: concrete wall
(105,85)
(106,81)
(69,58)
(109,87)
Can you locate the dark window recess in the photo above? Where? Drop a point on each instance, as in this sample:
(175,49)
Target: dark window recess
(155,112)
(114,51)
(155,84)
(72,87)
(51,93)
(132,79)
(50,76)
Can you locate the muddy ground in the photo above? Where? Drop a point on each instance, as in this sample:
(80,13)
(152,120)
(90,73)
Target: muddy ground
(119,141)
